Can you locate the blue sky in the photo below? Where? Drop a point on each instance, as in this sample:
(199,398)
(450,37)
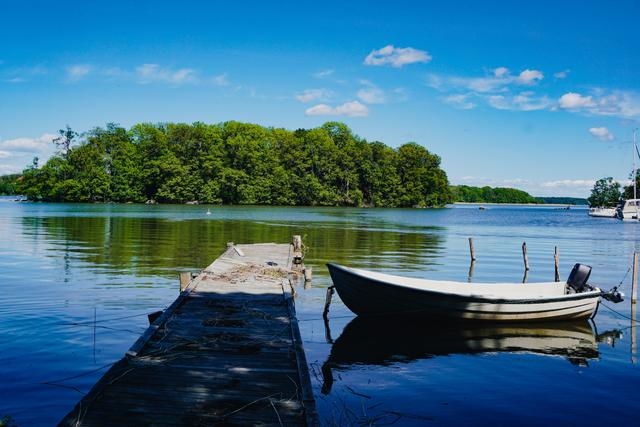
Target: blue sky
(540,96)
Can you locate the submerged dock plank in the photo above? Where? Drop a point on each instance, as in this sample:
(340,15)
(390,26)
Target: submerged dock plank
(227,352)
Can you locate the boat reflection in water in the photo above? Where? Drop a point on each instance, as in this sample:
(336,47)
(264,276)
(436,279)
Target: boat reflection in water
(385,341)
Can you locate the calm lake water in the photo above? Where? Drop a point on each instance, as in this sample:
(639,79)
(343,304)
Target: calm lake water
(62,265)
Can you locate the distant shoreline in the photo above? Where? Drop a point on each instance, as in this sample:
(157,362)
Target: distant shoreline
(519,204)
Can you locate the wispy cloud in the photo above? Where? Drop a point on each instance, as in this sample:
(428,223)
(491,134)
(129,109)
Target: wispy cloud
(459,101)
(562,74)
(371,93)
(323,73)
(78,72)
(348,109)
(309,95)
(4,154)
(524,101)
(220,80)
(602,133)
(28,144)
(500,80)
(570,183)
(396,56)
(153,73)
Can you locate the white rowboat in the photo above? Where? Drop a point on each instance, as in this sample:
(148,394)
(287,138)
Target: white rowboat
(371,293)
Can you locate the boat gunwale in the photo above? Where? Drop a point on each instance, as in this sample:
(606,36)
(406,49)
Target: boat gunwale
(597,292)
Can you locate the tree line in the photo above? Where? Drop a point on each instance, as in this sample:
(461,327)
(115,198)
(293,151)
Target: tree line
(235,163)
(468,194)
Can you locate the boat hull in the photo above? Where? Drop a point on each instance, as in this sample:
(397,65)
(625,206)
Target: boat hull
(369,297)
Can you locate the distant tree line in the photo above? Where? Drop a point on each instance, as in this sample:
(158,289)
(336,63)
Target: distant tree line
(563,200)
(235,163)
(8,185)
(468,194)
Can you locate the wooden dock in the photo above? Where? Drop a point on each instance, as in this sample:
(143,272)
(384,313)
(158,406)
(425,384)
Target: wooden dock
(227,352)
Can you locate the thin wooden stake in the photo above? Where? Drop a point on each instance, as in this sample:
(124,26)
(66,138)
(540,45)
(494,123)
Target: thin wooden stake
(308,273)
(524,256)
(297,249)
(185,279)
(634,279)
(472,251)
(327,302)
(556,261)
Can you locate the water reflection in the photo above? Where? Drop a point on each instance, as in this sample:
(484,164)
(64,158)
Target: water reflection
(370,341)
(159,246)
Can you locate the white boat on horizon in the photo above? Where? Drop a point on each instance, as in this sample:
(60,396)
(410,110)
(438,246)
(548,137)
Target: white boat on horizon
(372,293)
(603,212)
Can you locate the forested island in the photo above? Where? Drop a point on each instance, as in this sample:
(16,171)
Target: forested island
(246,164)
(468,194)
(235,163)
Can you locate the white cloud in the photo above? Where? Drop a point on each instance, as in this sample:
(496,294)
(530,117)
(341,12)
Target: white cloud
(371,94)
(220,80)
(501,71)
(78,72)
(309,95)
(529,77)
(323,73)
(459,101)
(396,56)
(4,154)
(151,73)
(524,101)
(561,74)
(6,169)
(572,101)
(569,183)
(501,80)
(349,109)
(602,133)
(28,144)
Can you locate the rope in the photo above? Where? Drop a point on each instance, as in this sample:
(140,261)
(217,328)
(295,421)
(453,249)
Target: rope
(619,314)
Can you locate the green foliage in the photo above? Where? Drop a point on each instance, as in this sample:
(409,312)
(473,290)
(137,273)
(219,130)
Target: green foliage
(9,185)
(237,163)
(605,192)
(563,200)
(464,193)
(628,190)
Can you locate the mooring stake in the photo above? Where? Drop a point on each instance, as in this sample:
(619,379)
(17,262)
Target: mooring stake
(472,251)
(556,262)
(524,256)
(327,302)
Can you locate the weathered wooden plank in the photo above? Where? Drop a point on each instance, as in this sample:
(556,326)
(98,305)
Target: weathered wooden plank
(226,352)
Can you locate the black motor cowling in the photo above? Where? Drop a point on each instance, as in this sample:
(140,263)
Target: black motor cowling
(579,277)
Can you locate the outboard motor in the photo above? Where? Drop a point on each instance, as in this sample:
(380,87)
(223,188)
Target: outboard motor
(578,278)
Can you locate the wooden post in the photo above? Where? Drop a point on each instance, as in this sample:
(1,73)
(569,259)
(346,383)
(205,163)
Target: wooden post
(327,302)
(185,279)
(524,256)
(307,274)
(470,276)
(556,262)
(472,251)
(297,249)
(634,279)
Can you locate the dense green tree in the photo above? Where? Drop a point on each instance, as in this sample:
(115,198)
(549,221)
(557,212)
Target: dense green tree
(605,192)
(236,163)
